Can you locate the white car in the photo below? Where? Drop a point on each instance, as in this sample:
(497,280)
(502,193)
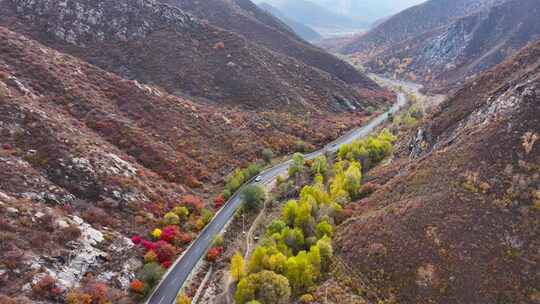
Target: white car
(258,179)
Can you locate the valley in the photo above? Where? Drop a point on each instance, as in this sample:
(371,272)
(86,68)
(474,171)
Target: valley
(227,151)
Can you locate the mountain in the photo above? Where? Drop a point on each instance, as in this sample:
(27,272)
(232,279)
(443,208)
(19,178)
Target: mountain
(455,217)
(113,112)
(304,31)
(244,18)
(413,22)
(321,19)
(86,153)
(359,13)
(469,45)
(162,45)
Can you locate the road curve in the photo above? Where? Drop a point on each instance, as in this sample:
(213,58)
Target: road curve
(177,274)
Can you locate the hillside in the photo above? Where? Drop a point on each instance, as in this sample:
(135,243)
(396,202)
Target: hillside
(412,22)
(455,218)
(247,20)
(162,45)
(88,158)
(448,55)
(304,31)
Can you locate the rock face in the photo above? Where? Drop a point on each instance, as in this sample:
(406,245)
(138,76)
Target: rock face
(163,45)
(458,222)
(446,56)
(413,22)
(245,18)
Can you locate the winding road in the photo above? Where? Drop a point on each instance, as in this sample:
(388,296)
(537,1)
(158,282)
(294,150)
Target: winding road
(174,279)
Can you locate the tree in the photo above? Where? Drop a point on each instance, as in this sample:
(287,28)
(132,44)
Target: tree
(289,212)
(206,216)
(276,262)
(253,196)
(237,267)
(219,201)
(267,155)
(265,286)
(324,229)
(171,218)
(299,271)
(150,257)
(256,261)
(353,178)
(165,251)
(326,252)
(320,166)
(156,233)
(276,226)
(214,253)
(170,233)
(297,165)
(183,299)
(151,273)
(182,212)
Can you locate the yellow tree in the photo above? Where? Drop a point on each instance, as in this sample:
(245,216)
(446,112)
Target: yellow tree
(237,267)
(183,299)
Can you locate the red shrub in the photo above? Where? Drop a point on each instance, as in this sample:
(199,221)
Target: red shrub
(137,286)
(166,264)
(136,239)
(169,233)
(149,245)
(185,238)
(6,146)
(214,254)
(192,202)
(219,201)
(46,287)
(165,251)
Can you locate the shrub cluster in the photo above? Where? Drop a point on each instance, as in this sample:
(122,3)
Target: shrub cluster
(177,229)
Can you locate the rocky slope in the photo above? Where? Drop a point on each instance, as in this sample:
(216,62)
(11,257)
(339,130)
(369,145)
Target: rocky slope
(456,220)
(246,19)
(305,32)
(88,158)
(446,56)
(162,45)
(412,22)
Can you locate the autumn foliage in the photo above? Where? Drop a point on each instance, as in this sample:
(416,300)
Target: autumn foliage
(214,254)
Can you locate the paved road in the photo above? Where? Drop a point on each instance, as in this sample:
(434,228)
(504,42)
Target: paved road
(174,279)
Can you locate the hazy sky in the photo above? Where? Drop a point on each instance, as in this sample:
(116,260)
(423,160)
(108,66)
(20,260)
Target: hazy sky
(376,8)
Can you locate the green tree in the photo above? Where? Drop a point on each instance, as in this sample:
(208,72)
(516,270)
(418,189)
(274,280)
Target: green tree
(320,166)
(353,179)
(151,273)
(277,262)
(267,155)
(266,287)
(297,165)
(257,259)
(276,226)
(324,229)
(171,218)
(237,267)
(253,197)
(326,252)
(206,216)
(288,214)
(299,272)
(181,211)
